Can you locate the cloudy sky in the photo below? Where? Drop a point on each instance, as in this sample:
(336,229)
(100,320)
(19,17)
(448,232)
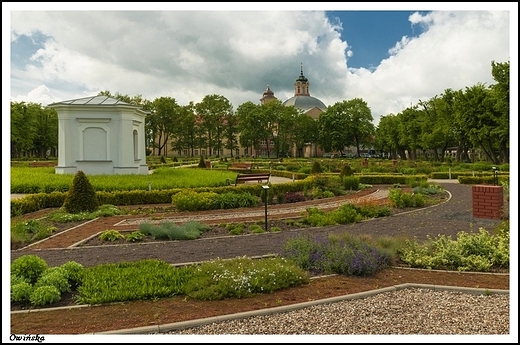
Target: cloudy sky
(390,59)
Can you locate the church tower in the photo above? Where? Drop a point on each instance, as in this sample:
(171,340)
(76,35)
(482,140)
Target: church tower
(301,85)
(267,96)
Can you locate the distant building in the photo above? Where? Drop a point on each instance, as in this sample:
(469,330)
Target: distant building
(302,98)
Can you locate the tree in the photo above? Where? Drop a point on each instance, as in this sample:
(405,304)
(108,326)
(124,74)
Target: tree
(46,127)
(249,124)
(388,137)
(478,117)
(161,121)
(231,132)
(305,132)
(500,96)
(34,129)
(22,128)
(360,122)
(346,123)
(81,196)
(212,110)
(438,125)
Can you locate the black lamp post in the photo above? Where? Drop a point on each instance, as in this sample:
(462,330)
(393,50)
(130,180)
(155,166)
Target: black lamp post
(266,187)
(495,176)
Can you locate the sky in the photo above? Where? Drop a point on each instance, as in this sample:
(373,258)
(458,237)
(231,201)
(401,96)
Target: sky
(391,57)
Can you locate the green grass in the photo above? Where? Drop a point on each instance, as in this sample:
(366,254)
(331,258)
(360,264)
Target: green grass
(45,180)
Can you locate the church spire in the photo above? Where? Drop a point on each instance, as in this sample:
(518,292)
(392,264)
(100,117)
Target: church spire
(301,86)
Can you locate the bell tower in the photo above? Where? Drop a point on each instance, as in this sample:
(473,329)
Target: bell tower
(301,85)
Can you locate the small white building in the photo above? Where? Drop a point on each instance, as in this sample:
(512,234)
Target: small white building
(100,136)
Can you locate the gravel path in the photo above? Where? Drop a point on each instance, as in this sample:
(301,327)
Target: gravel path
(415,311)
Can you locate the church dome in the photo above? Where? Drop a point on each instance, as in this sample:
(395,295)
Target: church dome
(305,103)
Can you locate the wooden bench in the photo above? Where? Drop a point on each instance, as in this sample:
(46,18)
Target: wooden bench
(243,178)
(242,166)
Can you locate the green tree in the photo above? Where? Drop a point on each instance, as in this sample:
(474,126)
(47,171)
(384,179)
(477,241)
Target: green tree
(500,96)
(250,125)
(476,113)
(388,137)
(231,132)
(23,129)
(212,110)
(305,132)
(344,124)
(81,196)
(161,120)
(46,127)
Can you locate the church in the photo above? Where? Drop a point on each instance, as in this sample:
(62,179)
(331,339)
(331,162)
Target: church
(302,100)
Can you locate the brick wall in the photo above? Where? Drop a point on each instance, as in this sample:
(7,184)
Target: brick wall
(488,201)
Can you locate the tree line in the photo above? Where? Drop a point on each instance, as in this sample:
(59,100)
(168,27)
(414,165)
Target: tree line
(476,118)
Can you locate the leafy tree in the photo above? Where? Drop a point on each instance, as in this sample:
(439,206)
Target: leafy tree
(250,125)
(46,127)
(346,123)
(184,133)
(212,110)
(305,132)
(23,130)
(277,121)
(500,96)
(231,132)
(360,122)
(161,120)
(387,136)
(438,131)
(81,196)
(476,113)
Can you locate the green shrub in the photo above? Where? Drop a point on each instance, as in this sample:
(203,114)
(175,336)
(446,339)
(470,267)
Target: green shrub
(236,228)
(202,163)
(56,277)
(233,200)
(469,252)
(81,196)
(242,277)
(29,267)
(43,295)
(351,183)
(189,200)
(256,229)
(316,168)
(73,271)
(21,292)
(346,170)
(110,235)
(135,236)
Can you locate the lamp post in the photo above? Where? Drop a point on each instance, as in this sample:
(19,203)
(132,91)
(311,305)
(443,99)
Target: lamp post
(495,175)
(266,187)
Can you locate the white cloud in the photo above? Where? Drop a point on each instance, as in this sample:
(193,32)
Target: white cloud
(187,55)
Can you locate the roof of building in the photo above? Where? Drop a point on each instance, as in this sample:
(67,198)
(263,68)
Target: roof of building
(305,103)
(95,100)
